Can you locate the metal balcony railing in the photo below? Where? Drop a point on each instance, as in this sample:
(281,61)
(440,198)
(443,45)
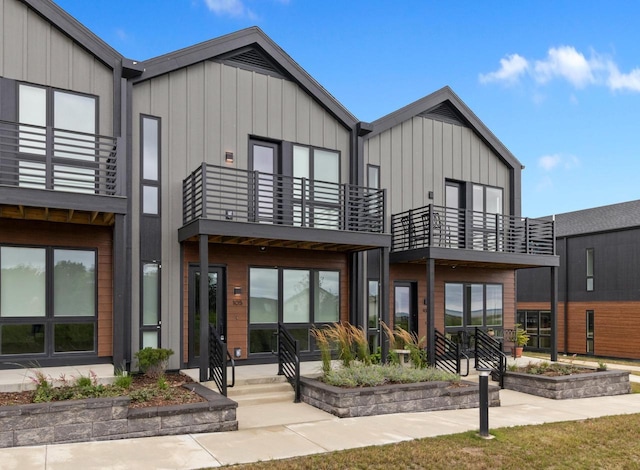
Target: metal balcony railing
(443,227)
(49,158)
(220,193)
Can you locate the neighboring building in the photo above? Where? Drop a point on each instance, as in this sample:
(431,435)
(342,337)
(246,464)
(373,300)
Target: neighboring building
(119,179)
(599,284)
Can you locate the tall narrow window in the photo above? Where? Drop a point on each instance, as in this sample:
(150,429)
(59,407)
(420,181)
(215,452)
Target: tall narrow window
(150,162)
(373,176)
(590,332)
(150,304)
(589,269)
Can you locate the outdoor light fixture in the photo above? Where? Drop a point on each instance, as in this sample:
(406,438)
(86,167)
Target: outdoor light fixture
(484,402)
(237,352)
(228,157)
(237,290)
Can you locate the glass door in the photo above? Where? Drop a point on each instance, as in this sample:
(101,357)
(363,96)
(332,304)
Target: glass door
(217,309)
(453,231)
(264,159)
(405,308)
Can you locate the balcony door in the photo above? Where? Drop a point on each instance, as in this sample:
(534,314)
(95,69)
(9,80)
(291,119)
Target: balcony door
(264,158)
(453,230)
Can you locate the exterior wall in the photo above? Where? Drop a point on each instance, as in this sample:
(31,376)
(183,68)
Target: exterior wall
(615,327)
(207,109)
(444,274)
(76,236)
(35,51)
(418,155)
(237,260)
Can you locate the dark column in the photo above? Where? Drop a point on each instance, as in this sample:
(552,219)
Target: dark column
(357,314)
(204,308)
(554,313)
(384,299)
(431,311)
(121,310)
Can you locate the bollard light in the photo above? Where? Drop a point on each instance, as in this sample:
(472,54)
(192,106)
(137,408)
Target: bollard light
(484,403)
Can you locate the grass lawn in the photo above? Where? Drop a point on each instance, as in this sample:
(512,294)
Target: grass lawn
(609,442)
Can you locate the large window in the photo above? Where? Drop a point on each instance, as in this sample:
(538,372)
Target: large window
(471,305)
(297,297)
(48,300)
(73,120)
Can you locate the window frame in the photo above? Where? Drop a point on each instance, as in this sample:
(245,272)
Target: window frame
(50,320)
(590,269)
(146,182)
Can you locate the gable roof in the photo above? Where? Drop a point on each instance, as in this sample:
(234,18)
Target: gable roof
(445,105)
(72,28)
(598,219)
(247,46)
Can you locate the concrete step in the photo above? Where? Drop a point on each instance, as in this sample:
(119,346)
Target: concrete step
(254,389)
(264,398)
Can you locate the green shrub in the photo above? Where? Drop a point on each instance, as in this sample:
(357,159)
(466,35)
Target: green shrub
(360,375)
(153,361)
(123,381)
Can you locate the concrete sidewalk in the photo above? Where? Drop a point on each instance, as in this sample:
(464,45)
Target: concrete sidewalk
(284,430)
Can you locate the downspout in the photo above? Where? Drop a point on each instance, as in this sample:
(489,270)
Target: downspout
(565,262)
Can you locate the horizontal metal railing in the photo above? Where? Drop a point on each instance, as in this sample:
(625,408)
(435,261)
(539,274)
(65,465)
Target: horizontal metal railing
(220,193)
(435,226)
(49,158)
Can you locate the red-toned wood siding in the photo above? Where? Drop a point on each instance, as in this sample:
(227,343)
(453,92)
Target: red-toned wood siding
(237,260)
(444,274)
(38,233)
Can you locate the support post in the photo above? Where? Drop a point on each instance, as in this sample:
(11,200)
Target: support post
(384,299)
(204,308)
(554,313)
(431,315)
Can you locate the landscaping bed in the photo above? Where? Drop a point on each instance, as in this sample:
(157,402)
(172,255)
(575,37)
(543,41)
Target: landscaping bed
(180,407)
(578,383)
(393,398)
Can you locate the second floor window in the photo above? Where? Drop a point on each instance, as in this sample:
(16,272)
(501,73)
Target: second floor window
(72,122)
(589,269)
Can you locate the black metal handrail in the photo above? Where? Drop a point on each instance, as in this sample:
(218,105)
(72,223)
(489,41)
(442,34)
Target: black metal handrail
(50,158)
(444,227)
(449,355)
(489,355)
(219,361)
(289,359)
(220,193)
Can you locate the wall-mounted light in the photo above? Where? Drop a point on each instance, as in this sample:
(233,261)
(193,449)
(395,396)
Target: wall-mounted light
(237,352)
(237,290)
(228,157)
(430,194)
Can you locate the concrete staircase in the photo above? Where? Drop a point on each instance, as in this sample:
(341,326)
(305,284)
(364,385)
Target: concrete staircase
(261,390)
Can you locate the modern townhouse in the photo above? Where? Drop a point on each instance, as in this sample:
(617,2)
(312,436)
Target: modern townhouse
(120,180)
(599,287)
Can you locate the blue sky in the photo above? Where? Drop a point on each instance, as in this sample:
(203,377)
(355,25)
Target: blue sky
(557,82)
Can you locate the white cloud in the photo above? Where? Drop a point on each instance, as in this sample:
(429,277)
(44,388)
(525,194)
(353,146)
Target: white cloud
(549,162)
(511,68)
(233,8)
(565,62)
(568,64)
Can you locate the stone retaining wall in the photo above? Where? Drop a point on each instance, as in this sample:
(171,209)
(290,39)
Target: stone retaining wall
(594,384)
(396,398)
(97,419)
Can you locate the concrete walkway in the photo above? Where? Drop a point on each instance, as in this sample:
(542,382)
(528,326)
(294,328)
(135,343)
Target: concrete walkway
(284,430)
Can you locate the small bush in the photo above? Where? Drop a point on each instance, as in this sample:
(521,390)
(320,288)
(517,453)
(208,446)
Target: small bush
(153,361)
(123,381)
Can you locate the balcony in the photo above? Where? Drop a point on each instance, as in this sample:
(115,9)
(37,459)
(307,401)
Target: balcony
(308,213)
(61,162)
(460,234)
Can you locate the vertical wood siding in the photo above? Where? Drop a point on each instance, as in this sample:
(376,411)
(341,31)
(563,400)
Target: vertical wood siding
(33,50)
(416,156)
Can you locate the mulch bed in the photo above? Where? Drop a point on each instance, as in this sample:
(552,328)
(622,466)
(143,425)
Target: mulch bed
(175,394)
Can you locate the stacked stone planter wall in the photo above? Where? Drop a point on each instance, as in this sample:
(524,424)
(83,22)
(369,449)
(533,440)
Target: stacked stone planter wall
(595,384)
(397,398)
(111,418)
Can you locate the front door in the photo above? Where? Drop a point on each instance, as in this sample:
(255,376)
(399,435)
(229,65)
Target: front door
(405,306)
(217,308)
